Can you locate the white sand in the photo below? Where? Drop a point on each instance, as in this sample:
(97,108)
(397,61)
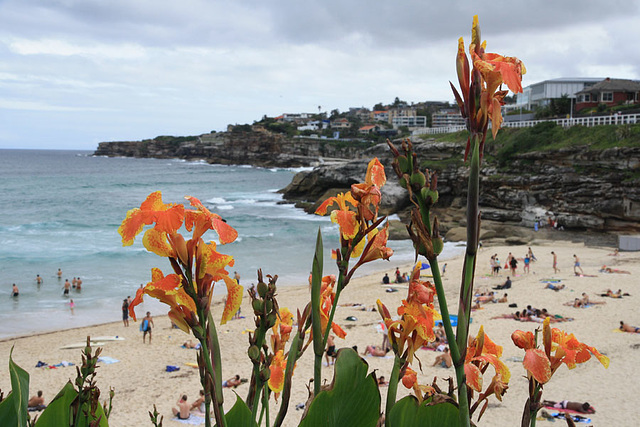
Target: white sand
(140,379)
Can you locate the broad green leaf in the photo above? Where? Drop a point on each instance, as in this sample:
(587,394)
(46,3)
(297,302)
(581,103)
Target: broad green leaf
(13,410)
(240,415)
(407,413)
(353,399)
(58,413)
(316,284)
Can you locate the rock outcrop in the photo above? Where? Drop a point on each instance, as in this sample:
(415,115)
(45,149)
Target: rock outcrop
(258,148)
(580,188)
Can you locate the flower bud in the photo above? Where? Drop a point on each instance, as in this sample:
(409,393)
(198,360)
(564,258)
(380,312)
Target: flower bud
(265,374)
(258,306)
(254,353)
(262,289)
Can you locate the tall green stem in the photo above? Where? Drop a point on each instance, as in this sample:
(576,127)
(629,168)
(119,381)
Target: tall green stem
(288,373)
(316,283)
(466,287)
(392,389)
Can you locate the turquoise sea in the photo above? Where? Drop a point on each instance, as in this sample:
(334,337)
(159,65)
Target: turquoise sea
(61,209)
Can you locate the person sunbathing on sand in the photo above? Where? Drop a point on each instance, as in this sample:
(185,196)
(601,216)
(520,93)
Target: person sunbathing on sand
(191,344)
(503,299)
(182,412)
(628,328)
(36,403)
(232,382)
(374,350)
(444,360)
(583,408)
(554,287)
(612,294)
(606,269)
(586,301)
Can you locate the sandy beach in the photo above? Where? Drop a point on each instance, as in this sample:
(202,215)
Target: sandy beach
(140,379)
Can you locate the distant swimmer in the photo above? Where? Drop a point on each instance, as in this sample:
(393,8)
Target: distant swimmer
(15,292)
(38,279)
(59,274)
(73,282)
(67,286)
(78,284)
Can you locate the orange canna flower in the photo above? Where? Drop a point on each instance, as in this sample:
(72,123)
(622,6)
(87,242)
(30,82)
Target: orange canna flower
(282,329)
(376,247)
(277,368)
(167,217)
(168,290)
(417,318)
(342,216)
(327,296)
(368,194)
(559,348)
(202,220)
(410,378)
(482,352)
(480,98)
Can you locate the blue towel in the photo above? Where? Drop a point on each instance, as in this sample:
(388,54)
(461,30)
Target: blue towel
(454,320)
(171,368)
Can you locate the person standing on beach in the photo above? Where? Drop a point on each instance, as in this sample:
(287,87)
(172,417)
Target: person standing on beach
(15,292)
(146,325)
(125,312)
(67,286)
(576,265)
(555,262)
(527,260)
(236,276)
(72,305)
(59,274)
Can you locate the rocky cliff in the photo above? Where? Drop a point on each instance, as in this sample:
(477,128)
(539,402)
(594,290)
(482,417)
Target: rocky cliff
(581,188)
(258,148)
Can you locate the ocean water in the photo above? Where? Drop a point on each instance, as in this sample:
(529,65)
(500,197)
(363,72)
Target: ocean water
(61,209)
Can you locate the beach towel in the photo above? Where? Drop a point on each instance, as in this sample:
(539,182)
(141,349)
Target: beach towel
(171,368)
(193,420)
(107,360)
(454,320)
(568,411)
(575,418)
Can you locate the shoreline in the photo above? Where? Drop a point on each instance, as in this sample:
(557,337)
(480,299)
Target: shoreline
(145,364)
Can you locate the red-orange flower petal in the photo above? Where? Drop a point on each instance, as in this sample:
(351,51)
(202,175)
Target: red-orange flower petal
(277,369)
(474,376)
(156,241)
(234,299)
(523,340)
(536,362)
(202,220)
(410,378)
(375,173)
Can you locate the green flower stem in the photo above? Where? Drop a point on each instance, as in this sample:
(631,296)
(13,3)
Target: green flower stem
(288,373)
(265,403)
(535,399)
(316,284)
(392,389)
(212,368)
(254,394)
(466,287)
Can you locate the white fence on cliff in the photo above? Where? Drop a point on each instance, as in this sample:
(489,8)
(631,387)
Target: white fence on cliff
(614,119)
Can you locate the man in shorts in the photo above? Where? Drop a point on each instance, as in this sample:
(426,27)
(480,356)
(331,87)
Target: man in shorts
(147,323)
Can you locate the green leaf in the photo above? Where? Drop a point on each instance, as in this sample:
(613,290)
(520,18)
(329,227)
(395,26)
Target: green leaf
(240,415)
(58,413)
(316,284)
(353,399)
(406,412)
(13,410)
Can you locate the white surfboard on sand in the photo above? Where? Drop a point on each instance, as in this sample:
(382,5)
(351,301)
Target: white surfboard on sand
(81,345)
(107,338)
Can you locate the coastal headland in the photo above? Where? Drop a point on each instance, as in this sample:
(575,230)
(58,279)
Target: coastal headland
(547,175)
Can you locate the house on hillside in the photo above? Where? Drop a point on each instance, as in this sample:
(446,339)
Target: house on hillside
(340,124)
(540,94)
(368,129)
(380,116)
(447,118)
(609,92)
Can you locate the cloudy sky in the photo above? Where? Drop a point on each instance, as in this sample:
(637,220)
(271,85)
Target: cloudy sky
(77,72)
